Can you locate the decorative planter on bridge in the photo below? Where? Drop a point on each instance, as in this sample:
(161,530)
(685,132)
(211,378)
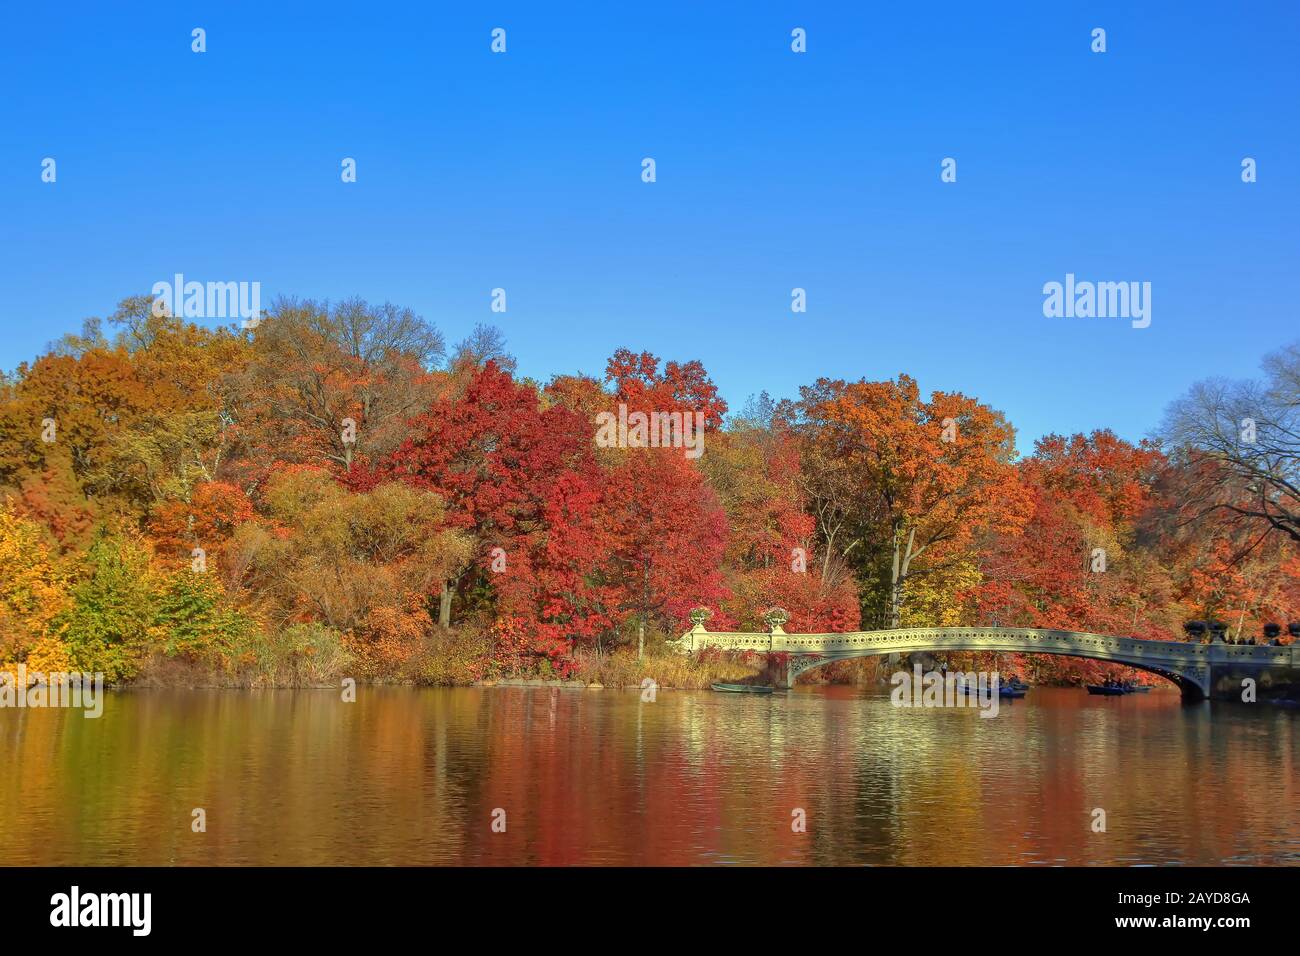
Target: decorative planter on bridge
(1199,670)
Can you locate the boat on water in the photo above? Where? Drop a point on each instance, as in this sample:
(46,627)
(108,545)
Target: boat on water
(1106,690)
(1140,689)
(741,688)
(1009,691)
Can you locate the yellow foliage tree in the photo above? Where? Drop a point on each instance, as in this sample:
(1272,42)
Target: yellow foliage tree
(939,599)
(33,590)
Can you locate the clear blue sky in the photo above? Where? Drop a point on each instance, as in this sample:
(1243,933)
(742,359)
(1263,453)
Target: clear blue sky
(775,170)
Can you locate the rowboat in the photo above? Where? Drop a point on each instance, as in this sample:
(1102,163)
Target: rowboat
(1102,690)
(1004,690)
(742,688)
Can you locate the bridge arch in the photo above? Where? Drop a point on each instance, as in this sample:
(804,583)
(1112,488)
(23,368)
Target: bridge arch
(1188,684)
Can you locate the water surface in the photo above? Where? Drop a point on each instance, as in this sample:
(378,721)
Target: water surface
(413,776)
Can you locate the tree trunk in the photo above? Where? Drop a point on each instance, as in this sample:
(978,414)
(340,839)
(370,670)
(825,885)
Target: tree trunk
(444,605)
(902,562)
(894,614)
(640,638)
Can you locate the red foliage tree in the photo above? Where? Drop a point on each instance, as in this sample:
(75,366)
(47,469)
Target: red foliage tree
(1077,566)
(520,478)
(663,537)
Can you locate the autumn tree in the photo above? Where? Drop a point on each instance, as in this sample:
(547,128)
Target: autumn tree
(1086,559)
(904,487)
(33,586)
(498,460)
(98,428)
(81,405)
(772,557)
(182,436)
(663,542)
(638,382)
(1222,566)
(328,384)
(206,520)
(361,563)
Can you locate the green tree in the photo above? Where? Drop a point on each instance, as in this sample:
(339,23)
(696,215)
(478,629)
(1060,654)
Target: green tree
(194,620)
(107,625)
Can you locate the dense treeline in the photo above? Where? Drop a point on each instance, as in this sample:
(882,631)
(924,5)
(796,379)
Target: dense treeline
(333,493)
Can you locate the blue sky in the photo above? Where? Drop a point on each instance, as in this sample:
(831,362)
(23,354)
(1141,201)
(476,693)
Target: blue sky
(775,170)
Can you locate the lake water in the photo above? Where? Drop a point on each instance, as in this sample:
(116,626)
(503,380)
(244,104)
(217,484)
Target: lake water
(414,776)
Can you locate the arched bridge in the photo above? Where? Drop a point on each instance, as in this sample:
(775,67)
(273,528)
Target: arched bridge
(1199,670)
